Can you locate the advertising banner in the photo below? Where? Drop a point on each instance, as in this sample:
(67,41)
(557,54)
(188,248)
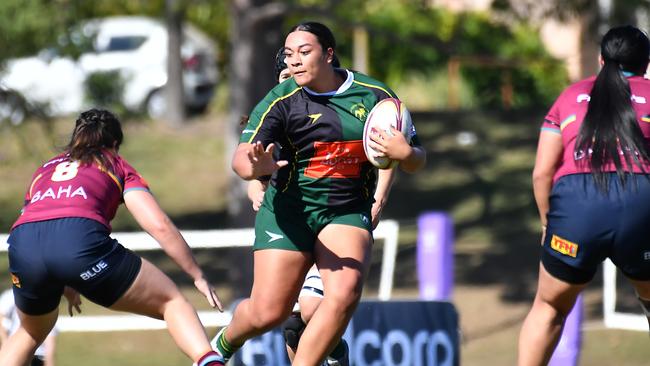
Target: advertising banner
(381,333)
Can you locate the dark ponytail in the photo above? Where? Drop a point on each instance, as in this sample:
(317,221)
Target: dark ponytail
(95,131)
(610,131)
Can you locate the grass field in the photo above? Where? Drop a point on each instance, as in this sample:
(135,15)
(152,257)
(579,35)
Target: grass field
(484,186)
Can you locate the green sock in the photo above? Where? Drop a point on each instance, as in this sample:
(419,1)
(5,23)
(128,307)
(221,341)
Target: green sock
(338,351)
(224,347)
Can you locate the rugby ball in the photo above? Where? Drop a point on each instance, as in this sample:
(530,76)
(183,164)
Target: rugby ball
(388,112)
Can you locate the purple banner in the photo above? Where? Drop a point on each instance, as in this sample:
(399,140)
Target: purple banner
(435,258)
(567,352)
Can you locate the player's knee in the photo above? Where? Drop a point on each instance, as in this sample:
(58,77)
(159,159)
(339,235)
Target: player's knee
(347,293)
(292,329)
(268,317)
(308,306)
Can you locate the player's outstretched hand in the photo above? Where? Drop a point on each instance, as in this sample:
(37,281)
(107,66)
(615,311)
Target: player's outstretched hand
(391,145)
(208,291)
(74,300)
(256,190)
(262,159)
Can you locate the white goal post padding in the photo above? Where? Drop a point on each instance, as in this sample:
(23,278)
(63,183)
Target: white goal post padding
(388,230)
(612,318)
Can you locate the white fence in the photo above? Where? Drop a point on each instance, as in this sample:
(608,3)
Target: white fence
(388,230)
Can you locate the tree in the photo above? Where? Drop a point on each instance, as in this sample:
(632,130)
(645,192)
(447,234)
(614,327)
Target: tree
(175,108)
(255,35)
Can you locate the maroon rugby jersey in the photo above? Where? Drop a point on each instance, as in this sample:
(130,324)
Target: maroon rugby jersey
(62,188)
(569,110)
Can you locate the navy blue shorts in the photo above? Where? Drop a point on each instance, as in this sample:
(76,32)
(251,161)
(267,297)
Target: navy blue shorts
(45,256)
(586,225)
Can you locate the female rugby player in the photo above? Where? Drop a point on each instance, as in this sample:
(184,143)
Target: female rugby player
(62,238)
(592,188)
(317,208)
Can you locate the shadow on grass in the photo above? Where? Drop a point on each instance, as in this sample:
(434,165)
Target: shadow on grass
(486,188)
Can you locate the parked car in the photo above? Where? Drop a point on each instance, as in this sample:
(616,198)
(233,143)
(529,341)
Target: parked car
(137,48)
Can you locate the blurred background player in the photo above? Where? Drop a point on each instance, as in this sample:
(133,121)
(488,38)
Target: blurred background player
(317,209)
(592,187)
(9,322)
(62,238)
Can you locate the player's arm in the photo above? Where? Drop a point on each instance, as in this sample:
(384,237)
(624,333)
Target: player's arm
(549,152)
(415,160)
(395,147)
(253,157)
(385,180)
(253,160)
(153,220)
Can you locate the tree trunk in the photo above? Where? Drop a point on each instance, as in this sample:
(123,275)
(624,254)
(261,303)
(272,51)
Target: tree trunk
(256,35)
(175,106)
(590,39)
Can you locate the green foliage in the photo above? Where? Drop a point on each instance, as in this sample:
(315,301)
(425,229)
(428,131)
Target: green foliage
(105,89)
(409,38)
(493,52)
(213,18)
(27,26)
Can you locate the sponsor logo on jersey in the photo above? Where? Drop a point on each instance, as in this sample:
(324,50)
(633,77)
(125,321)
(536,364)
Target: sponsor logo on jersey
(564,246)
(638,99)
(359,111)
(61,192)
(15,280)
(635,98)
(314,117)
(273,236)
(340,159)
(94,270)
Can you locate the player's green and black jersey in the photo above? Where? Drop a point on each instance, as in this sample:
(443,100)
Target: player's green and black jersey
(320,136)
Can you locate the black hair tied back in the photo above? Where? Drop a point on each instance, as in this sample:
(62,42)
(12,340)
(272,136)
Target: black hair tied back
(610,131)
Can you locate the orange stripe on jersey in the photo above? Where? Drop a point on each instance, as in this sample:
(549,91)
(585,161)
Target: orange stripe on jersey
(110,174)
(31,187)
(117,181)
